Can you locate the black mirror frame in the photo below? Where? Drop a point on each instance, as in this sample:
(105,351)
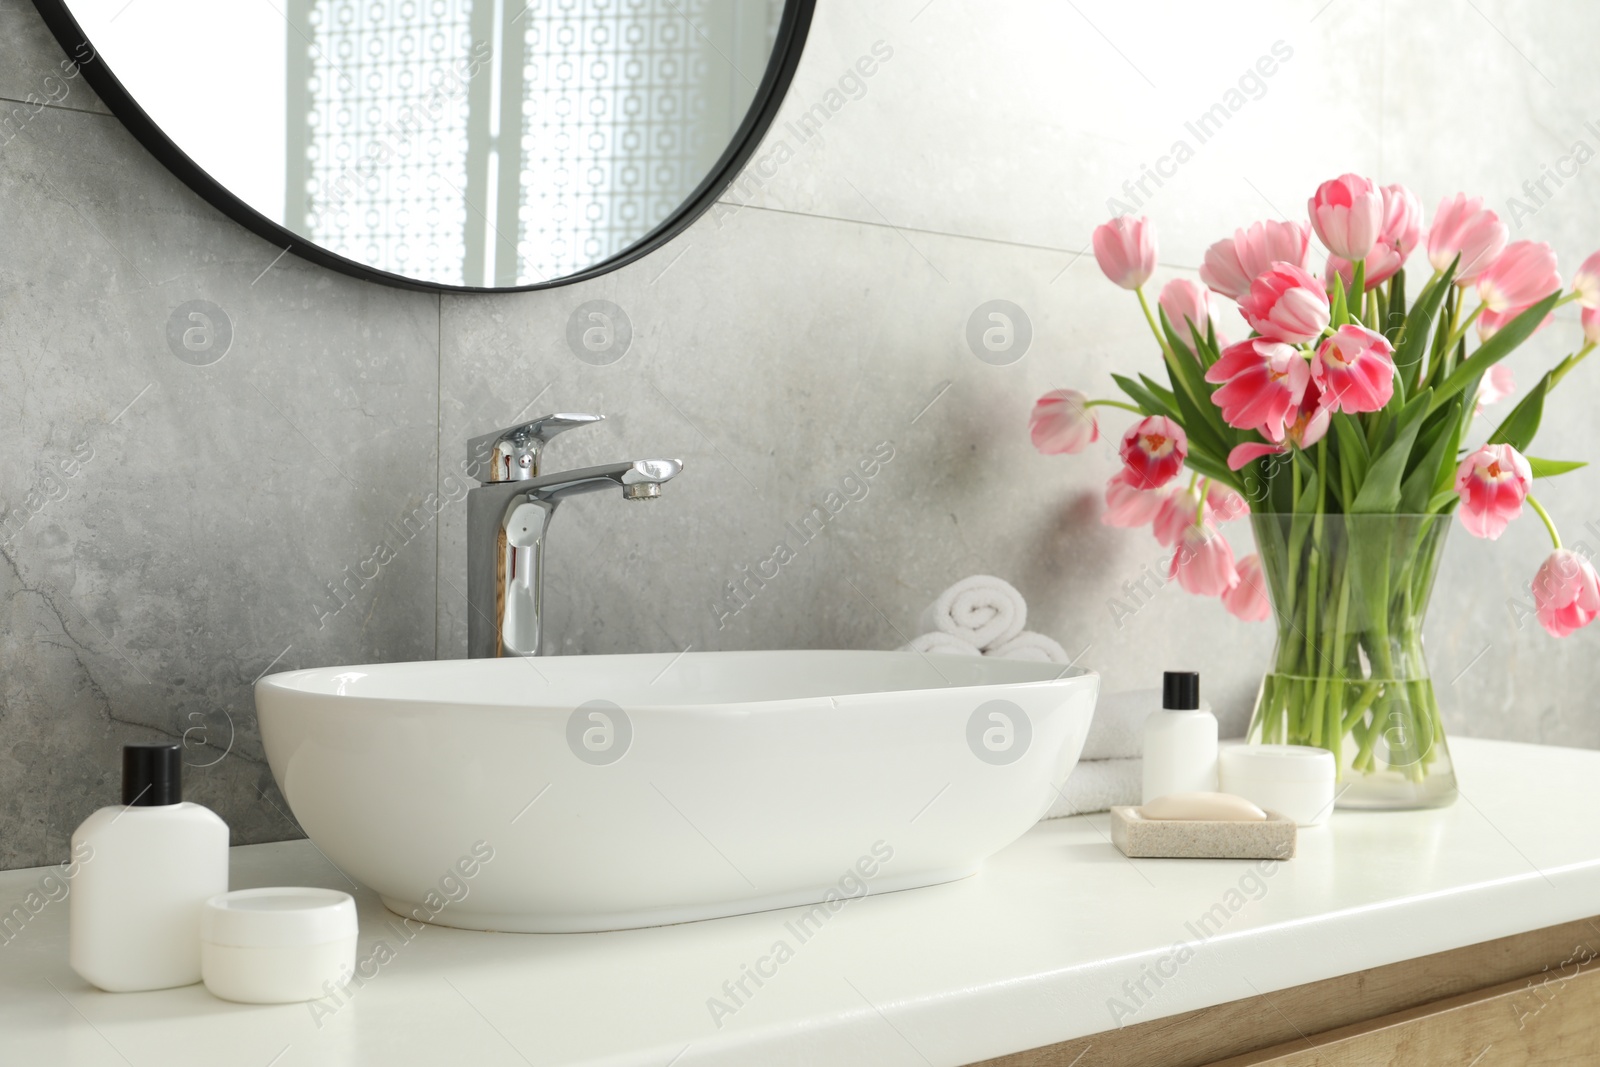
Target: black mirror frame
(790,42)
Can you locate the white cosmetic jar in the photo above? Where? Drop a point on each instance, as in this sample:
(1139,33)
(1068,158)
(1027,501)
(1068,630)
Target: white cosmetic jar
(277,945)
(1293,780)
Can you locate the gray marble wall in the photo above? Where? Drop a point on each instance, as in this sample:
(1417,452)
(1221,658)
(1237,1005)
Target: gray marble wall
(174,527)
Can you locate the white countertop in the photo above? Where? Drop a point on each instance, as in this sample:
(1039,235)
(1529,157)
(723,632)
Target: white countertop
(1029,952)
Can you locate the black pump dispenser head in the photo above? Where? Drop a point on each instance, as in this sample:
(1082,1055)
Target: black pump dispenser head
(1180,690)
(152,774)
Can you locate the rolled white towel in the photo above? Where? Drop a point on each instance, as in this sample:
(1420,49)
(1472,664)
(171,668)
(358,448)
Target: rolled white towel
(939,644)
(1031,646)
(1097,785)
(982,610)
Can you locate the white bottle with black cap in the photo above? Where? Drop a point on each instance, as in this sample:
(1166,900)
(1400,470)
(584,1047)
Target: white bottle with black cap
(1180,740)
(152,862)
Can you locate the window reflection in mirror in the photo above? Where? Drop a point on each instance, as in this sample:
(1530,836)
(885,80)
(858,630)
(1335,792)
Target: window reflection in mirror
(465,142)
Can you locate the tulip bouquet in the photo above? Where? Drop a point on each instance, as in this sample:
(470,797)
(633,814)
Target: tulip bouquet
(1342,426)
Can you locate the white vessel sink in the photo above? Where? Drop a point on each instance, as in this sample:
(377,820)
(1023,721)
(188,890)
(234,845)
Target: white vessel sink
(635,790)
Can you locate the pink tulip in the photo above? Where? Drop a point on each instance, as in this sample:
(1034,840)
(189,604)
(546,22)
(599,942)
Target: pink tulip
(1463,226)
(1227,504)
(1590,317)
(1178,511)
(1125,248)
(1202,561)
(1222,272)
(1129,506)
(1497,383)
(1355,367)
(1062,423)
(1402,226)
(1490,322)
(1308,425)
(1182,508)
(1343,268)
(1263,381)
(1311,419)
(1522,275)
(1248,599)
(1586,283)
(1234,262)
(1492,483)
(1152,452)
(1286,304)
(1190,310)
(1402,220)
(1347,213)
(1250,451)
(1566,593)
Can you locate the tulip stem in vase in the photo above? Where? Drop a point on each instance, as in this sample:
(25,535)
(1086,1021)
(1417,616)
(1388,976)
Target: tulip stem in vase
(1349,674)
(1342,427)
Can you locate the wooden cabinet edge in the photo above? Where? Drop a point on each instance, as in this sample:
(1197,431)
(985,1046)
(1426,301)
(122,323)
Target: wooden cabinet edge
(1208,1037)
(1522,1021)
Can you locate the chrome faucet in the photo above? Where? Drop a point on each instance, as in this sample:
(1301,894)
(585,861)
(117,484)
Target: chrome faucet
(508,516)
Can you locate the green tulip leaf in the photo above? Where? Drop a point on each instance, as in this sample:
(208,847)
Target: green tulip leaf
(1549,468)
(1418,487)
(1148,401)
(1352,447)
(1517,429)
(1412,339)
(1338,304)
(1380,490)
(1496,348)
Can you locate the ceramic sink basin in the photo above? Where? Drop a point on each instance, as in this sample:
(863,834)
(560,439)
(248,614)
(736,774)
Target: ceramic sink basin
(571,793)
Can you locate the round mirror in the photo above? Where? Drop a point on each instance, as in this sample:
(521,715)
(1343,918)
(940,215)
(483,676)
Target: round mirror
(446,144)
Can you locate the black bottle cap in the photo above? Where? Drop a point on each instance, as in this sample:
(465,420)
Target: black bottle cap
(152,774)
(1180,690)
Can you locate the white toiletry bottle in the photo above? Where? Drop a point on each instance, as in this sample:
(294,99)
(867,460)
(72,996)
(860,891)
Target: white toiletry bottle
(1180,741)
(154,861)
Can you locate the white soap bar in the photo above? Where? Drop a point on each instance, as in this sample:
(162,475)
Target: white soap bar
(1210,807)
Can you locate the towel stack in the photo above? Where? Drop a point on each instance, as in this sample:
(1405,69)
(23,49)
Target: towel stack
(1110,771)
(983,616)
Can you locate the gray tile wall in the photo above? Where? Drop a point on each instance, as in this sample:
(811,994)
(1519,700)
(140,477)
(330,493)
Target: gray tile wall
(172,530)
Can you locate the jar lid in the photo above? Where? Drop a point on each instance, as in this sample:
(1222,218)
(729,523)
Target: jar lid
(279,916)
(1277,763)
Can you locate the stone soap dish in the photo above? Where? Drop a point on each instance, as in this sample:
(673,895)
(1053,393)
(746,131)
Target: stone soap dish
(1202,839)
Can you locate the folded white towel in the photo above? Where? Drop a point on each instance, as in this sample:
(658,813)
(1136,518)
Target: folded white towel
(1096,785)
(1031,646)
(982,610)
(1117,729)
(939,644)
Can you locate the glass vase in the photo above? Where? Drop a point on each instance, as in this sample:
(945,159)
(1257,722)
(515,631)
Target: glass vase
(1349,594)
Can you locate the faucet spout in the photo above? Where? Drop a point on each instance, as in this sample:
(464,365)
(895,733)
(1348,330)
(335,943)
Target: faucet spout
(507,524)
(634,476)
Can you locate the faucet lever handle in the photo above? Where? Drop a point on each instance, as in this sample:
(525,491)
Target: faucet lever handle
(512,454)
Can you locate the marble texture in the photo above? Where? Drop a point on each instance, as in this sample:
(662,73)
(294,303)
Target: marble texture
(167,530)
(34,70)
(965,492)
(819,310)
(1114,94)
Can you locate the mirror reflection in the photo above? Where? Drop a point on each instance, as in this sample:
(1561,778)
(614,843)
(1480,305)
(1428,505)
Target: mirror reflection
(486,143)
